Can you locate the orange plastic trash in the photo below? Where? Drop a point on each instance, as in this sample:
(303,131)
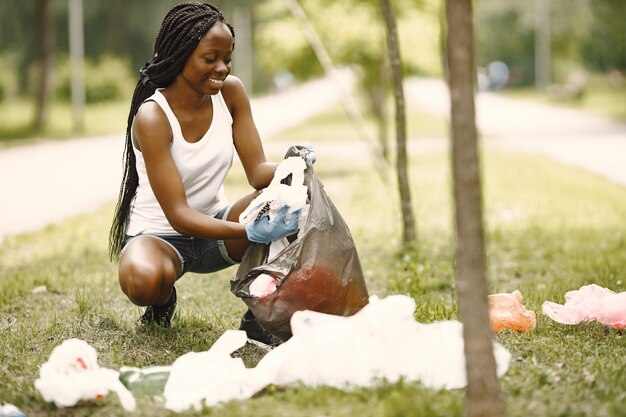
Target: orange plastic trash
(506,310)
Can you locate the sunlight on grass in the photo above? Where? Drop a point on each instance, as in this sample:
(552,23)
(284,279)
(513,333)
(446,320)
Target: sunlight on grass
(16,119)
(334,125)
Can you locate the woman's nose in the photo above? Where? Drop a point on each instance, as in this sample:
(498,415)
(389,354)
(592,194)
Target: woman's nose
(222,67)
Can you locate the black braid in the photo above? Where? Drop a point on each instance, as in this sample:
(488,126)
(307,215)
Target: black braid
(182,28)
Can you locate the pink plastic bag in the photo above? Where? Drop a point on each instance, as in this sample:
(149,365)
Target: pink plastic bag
(590,302)
(506,310)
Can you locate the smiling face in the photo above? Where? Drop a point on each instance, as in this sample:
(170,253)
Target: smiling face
(210,63)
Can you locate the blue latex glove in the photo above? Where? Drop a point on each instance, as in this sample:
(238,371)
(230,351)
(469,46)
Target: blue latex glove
(264,231)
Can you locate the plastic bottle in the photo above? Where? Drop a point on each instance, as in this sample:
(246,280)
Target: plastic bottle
(145,381)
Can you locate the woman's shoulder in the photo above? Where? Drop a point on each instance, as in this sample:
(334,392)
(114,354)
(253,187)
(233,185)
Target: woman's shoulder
(150,121)
(234,93)
(149,113)
(232,83)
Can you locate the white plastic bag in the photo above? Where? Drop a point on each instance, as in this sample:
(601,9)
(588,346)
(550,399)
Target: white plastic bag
(72,374)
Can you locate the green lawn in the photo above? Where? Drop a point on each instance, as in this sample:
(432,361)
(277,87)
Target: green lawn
(16,118)
(551,229)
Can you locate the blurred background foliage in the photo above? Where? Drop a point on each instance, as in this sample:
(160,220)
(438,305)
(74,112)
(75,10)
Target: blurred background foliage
(587,36)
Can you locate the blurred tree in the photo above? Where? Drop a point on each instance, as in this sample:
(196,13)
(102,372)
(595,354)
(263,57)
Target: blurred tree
(353,34)
(45,36)
(606,49)
(404,188)
(584,34)
(483,390)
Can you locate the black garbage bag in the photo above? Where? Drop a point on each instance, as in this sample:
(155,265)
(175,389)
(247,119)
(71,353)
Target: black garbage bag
(319,270)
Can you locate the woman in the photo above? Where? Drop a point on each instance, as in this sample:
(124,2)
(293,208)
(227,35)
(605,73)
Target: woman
(187,118)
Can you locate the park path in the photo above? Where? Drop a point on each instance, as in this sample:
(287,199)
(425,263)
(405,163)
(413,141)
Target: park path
(577,138)
(50,181)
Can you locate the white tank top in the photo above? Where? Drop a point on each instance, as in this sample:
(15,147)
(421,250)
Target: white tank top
(202,165)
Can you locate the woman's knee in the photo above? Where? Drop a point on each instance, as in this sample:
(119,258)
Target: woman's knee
(144,283)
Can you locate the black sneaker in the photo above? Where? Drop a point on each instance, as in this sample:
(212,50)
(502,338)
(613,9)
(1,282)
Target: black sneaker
(161,315)
(256,332)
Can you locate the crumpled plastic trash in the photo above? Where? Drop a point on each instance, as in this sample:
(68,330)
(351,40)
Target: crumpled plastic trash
(72,374)
(207,378)
(507,310)
(590,302)
(9,410)
(277,194)
(262,286)
(382,341)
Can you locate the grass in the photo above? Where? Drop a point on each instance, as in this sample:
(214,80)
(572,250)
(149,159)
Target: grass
(550,229)
(334,124)
(544,235)
(16,120)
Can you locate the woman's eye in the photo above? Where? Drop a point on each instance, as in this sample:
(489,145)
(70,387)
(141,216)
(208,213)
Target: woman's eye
(209,60)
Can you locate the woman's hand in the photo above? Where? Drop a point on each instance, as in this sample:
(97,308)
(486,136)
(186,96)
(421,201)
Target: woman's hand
(263,230)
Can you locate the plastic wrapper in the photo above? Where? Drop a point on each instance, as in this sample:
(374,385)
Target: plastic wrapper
(381,342)
(199,379)
(590,302)
(319,270)
(72,374)
(507,311)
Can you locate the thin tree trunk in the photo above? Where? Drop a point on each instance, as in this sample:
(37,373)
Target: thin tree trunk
(346,98)
(377,95)
(483,390)
(395,62)
(46,47)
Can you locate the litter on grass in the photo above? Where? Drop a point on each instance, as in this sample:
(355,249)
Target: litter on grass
(507,311)
(380,342)
(72,374)
(590,302)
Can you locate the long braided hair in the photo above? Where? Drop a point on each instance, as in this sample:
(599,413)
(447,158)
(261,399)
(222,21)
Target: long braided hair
(180,32)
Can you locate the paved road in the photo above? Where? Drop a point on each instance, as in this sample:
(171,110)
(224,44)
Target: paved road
(48,182)
(570,136)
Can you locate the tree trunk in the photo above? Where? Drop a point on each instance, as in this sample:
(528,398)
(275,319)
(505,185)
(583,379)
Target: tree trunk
(483,390)
(46,48)
(395,62)
(377,95)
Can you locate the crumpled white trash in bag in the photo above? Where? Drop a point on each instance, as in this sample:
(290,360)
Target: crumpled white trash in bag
(277,195)
(383,340)
(72,374)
